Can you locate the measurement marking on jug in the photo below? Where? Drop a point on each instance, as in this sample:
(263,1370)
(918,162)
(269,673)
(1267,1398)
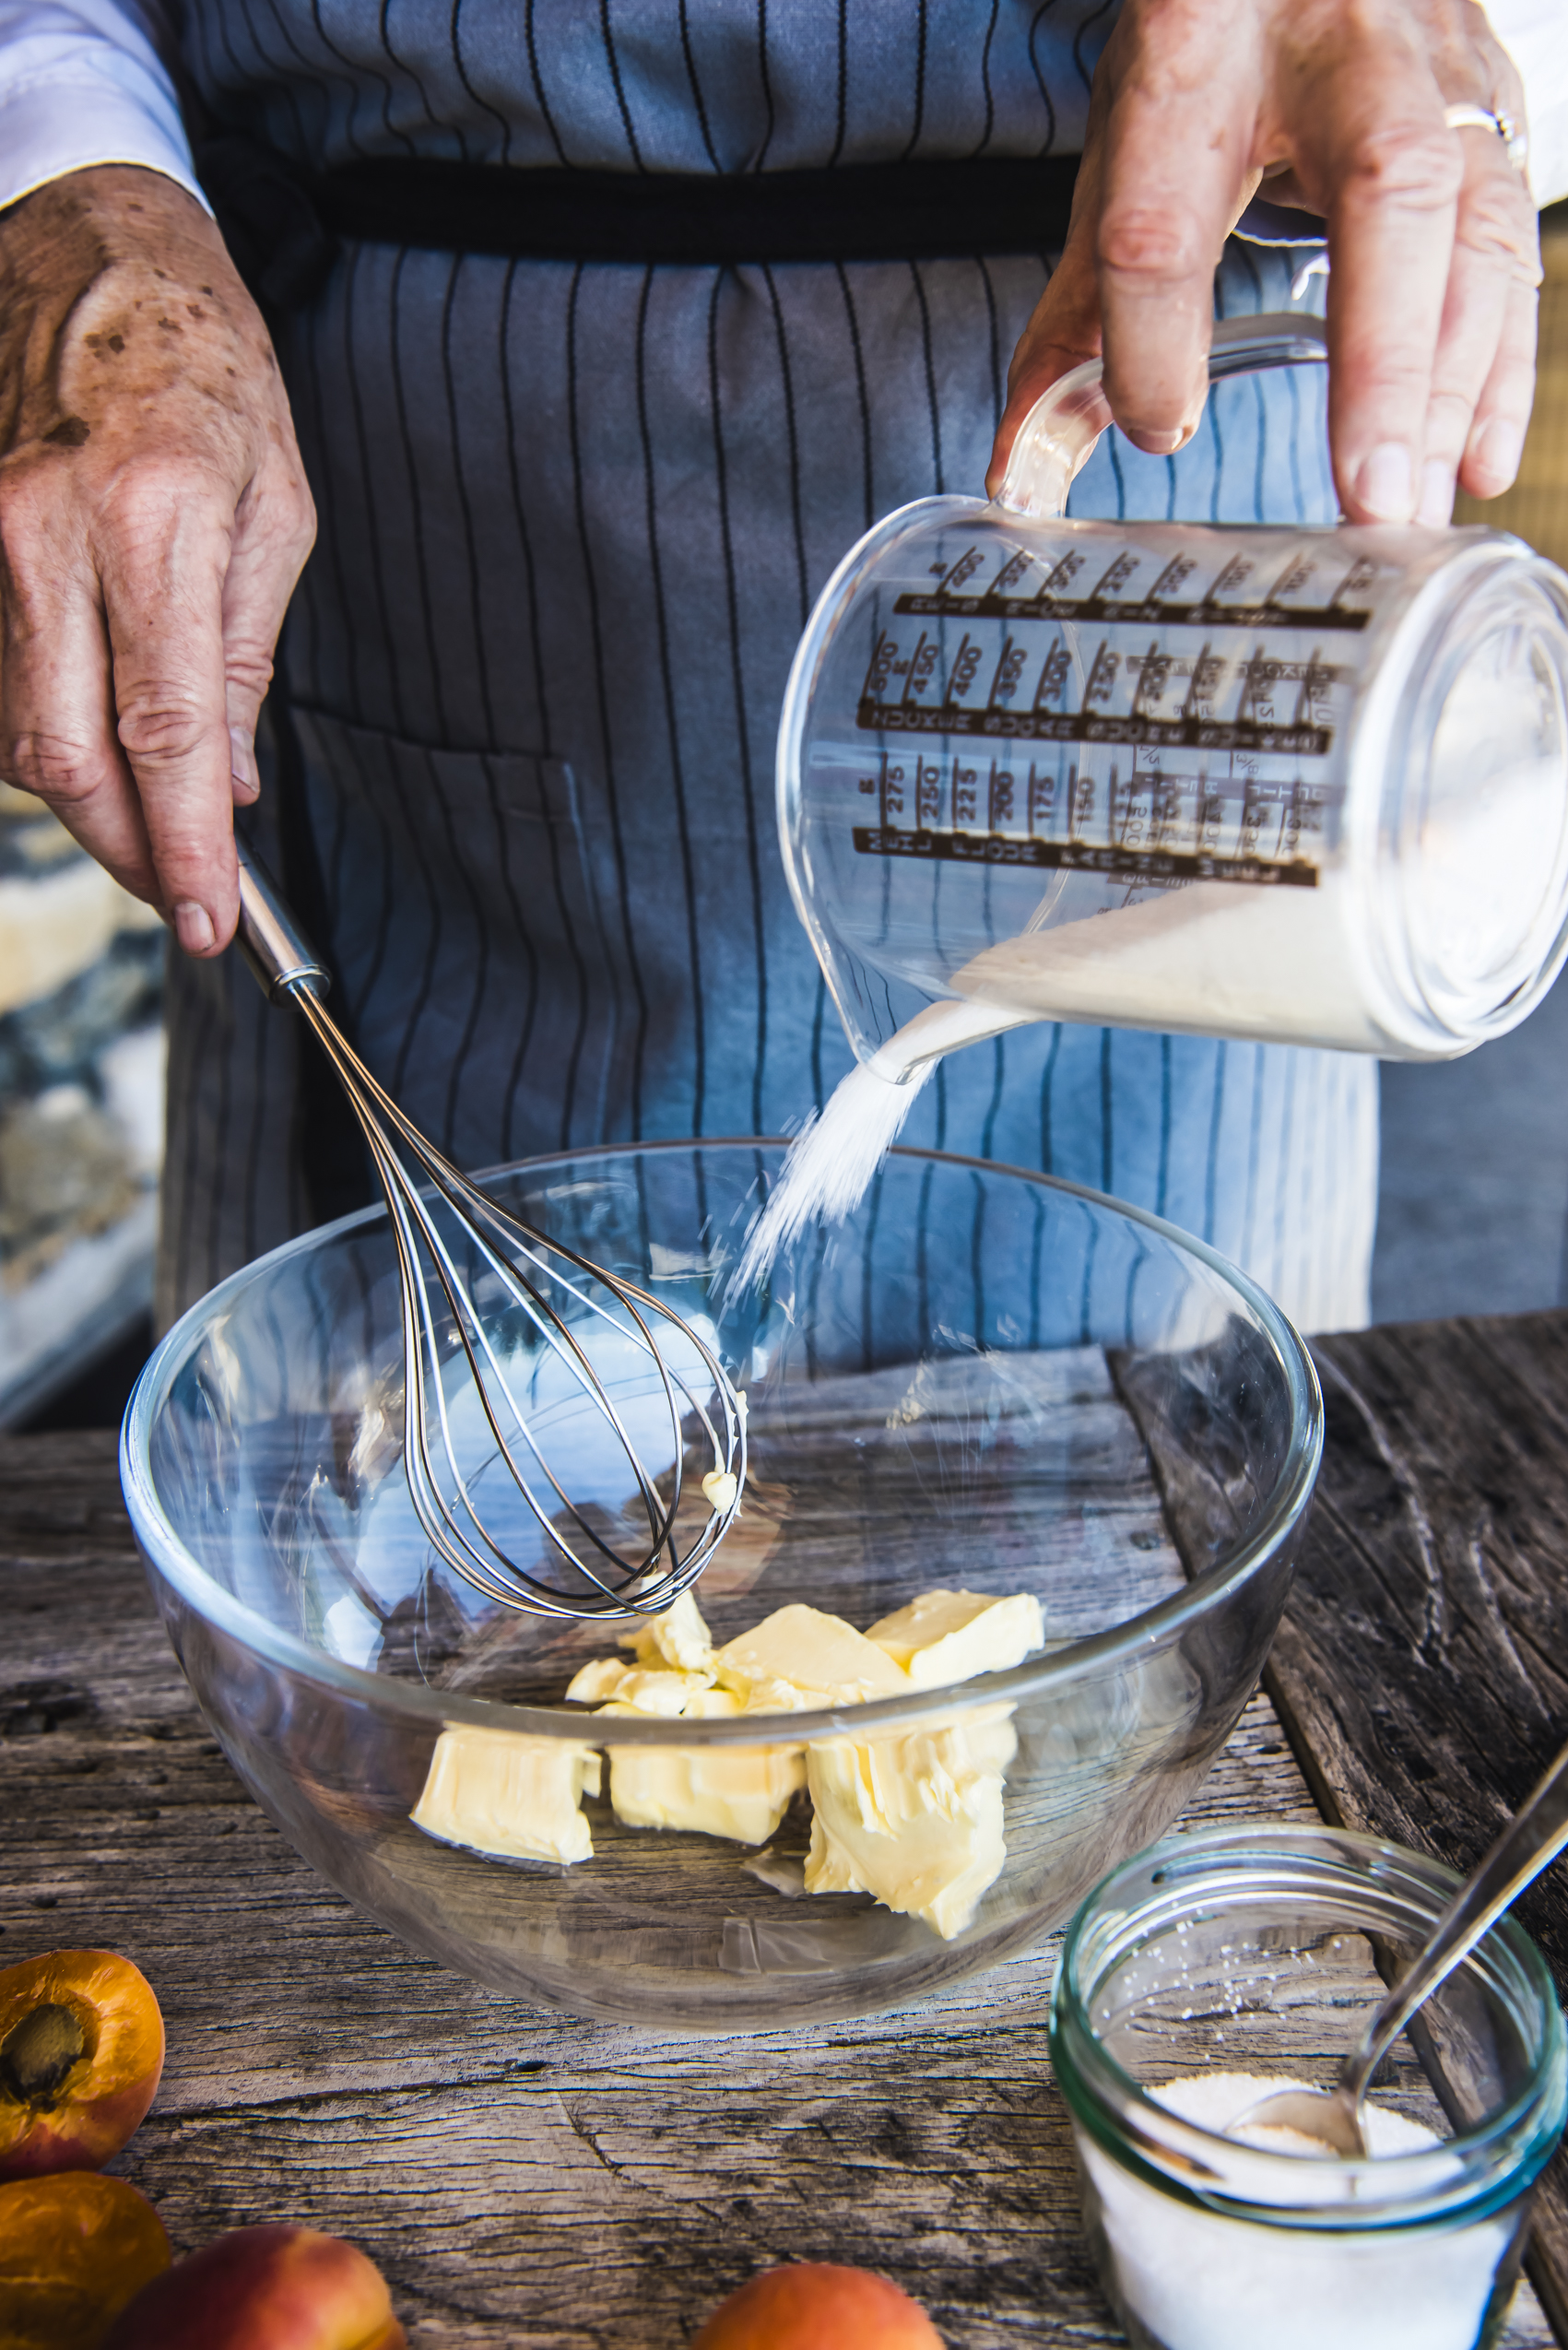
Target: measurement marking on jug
(941,605)
(1082,857)
(1360,574)
(1055,671)
(1087,725)
(966,661)
(1010,666)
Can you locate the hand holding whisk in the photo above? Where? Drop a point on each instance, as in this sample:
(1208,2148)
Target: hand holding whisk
(488,1301)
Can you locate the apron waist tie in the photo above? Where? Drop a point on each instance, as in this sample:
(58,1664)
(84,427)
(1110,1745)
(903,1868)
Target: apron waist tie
(284,228)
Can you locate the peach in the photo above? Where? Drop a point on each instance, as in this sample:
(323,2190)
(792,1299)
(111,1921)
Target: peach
(264,2288)
(812,2305)
(81,2047)
(74,2249)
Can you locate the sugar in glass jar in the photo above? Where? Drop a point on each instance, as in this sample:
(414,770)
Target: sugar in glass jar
(1213,1969)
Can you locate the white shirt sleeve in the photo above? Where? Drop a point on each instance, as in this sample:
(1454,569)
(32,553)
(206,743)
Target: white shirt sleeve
(82,83)
(1535,34)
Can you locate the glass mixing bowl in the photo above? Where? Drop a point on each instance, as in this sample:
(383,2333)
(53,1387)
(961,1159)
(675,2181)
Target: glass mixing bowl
(984,1381)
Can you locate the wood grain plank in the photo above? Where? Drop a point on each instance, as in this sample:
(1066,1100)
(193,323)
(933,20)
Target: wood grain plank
(1422,1666)
(527,2181)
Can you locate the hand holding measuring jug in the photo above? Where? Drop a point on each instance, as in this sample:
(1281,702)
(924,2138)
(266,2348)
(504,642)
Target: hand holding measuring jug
(1383,118)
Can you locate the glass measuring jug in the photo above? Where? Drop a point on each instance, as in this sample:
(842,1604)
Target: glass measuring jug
(1302,785)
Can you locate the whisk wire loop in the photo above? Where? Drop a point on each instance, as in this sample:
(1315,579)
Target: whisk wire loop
(554,1297)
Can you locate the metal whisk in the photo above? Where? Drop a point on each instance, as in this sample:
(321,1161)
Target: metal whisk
(473,1281)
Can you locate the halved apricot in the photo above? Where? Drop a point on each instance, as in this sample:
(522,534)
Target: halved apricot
(74,2249)
(81,2049)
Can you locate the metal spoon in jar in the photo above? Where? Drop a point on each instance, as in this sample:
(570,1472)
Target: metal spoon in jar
(1534,1837)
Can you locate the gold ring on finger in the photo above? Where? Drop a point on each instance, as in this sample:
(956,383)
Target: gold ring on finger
(1507,128)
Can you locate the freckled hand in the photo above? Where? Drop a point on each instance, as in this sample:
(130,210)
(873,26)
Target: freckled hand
(154,518)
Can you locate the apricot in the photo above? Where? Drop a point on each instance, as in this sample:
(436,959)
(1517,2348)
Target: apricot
(81,2047)
(810,2305)
(74,2249)
(264,2288)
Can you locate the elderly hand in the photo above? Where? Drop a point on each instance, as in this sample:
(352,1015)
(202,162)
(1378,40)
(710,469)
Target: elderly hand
(1336,106)
(154,518)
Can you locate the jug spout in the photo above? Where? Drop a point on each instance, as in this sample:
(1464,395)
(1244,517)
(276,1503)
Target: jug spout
(939,1029)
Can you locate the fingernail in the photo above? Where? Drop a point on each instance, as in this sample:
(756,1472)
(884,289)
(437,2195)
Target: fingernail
(1385,486)
(1436,507)
(242,759)
(1500,449)
(193,928)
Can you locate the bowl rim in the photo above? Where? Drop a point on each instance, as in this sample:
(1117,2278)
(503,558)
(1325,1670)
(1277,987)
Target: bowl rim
(1056,1669)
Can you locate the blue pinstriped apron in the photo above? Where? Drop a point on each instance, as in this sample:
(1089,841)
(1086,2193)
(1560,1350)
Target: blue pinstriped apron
(573,517)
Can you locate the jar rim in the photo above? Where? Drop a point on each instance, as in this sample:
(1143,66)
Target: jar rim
(1460,2179)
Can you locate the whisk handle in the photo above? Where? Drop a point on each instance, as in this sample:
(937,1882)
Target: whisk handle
(270,939)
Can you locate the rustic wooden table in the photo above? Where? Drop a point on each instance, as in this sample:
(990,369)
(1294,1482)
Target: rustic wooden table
(534,2183)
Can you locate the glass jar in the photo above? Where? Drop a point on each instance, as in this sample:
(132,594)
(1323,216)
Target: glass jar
(1258,1953)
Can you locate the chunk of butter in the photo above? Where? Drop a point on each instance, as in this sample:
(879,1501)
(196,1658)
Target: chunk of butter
(512,1796)
(945,1637)
(678,1637)
(644,1690)
(741,1792)
(647,1691)
(597,1680)
(913,1817)
(820,1656)
(771,1696)
(720,1487)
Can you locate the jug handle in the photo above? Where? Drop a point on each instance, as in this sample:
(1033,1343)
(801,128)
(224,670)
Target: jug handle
(1056,437)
